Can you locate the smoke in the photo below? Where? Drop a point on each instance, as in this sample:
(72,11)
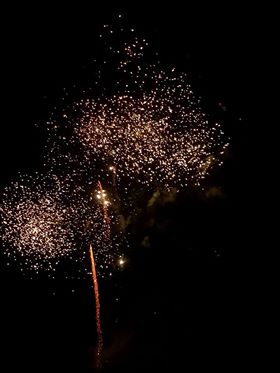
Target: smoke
(214,192)
(146,242)
(162,197)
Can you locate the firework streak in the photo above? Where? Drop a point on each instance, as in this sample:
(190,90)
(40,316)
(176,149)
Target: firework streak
(97,309)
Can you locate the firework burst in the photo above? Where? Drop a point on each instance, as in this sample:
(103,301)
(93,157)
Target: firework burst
(46,219)
(148,126)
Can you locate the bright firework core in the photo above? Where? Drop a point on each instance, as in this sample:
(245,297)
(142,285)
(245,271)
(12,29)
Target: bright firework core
(102,195)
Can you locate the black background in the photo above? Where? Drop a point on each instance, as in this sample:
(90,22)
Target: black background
(180,304)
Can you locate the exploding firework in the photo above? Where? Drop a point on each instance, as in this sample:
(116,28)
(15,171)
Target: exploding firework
(149,140)
(37,223)
(149,127)
(45,219)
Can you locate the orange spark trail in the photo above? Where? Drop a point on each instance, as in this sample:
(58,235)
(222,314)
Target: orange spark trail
(97,308)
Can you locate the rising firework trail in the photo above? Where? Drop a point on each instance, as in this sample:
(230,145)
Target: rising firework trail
(97,309)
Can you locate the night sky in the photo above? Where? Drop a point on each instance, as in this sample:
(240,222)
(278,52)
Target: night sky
(184,298)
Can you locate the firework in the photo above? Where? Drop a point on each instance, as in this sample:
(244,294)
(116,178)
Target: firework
(45,219)
(149,128)
(37,223)
(147,143)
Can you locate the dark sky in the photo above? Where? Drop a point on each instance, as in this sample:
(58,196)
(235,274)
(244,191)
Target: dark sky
(188,299)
